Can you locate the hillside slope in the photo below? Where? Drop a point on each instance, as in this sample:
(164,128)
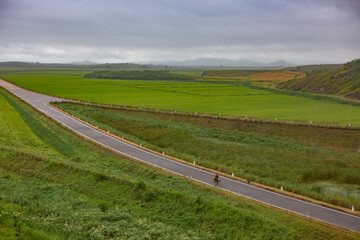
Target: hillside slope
(343,81)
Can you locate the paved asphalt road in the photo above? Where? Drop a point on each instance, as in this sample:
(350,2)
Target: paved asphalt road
(280,201)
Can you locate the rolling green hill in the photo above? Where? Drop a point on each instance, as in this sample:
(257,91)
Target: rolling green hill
(344,81)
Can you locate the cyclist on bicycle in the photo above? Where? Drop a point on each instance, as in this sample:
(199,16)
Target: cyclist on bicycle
(216,180)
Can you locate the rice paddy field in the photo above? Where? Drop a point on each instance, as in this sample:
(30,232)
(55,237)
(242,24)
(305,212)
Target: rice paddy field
(210,97)
(55,185)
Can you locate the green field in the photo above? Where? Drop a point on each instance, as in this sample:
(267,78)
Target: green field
(54,185)
(234,99)
(295,157)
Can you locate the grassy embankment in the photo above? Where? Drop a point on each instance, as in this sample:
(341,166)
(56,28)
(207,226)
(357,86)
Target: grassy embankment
(344,81)
(295,157)
(54,185)
(236,99)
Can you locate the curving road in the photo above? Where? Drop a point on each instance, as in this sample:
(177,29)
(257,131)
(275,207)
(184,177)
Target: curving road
(310,210)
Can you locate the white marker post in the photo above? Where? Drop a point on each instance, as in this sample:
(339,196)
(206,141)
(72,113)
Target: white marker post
(353,209)
(194,163)
(163,153)
(232,174)
(282,188)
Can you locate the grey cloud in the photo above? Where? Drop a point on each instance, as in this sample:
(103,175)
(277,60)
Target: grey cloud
(177,26)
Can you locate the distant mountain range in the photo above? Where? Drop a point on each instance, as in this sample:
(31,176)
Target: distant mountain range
(84,63)
(217,62)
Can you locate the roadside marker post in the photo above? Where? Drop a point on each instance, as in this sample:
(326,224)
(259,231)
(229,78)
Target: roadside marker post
(282,188)
(194,163)
(352,208)
(163,153)
(232,174)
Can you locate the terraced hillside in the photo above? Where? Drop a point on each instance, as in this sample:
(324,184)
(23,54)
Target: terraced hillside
(343,81)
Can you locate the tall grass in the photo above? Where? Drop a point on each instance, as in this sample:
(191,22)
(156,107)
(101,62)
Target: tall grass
(263,155)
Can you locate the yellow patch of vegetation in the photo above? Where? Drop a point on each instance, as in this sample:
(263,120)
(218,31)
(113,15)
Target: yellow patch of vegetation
(255,75)
(277,76)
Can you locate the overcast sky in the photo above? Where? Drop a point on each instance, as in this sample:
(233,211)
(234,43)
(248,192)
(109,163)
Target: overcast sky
(297,31)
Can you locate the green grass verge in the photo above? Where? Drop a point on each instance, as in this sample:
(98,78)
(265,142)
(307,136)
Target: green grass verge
(277,155)
(94,194)
(203,97)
